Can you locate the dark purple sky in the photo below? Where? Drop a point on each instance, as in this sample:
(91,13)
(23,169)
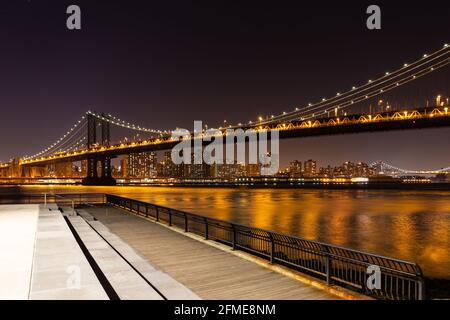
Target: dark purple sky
(166,63)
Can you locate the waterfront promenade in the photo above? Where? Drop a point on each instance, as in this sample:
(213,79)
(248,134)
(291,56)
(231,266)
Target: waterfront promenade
(49,254)
(208,271)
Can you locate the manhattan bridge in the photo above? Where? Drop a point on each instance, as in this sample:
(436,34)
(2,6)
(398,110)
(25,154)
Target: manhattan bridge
(413,96)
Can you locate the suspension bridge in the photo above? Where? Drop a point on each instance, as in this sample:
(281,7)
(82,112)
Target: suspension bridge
(382,166)
(90,138)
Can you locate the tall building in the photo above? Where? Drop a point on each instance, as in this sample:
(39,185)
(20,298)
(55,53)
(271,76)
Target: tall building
(327,172)
(295,168)
(363,170)
(310,168)
(197,171)
(140,165)
(348,169)
(168,169)
(123,167)
(253,169)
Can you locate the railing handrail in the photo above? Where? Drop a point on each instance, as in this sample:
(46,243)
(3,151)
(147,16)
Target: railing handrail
(345,267)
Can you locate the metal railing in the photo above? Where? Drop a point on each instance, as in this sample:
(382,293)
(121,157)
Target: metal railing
(68,199)
(397,279)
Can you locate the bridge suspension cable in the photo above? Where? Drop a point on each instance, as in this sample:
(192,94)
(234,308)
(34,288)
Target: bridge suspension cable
(127,125)
(62,140)
(311,110)
(72,139)
(75,146)
(378,91)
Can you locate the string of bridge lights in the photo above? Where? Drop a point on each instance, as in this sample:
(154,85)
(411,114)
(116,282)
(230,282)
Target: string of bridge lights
(69,141)
(348,103)
(426,58)
(391,167)
(326,102)
(58,141)
(376,92)
(393,84)
(76,145)
(124,124)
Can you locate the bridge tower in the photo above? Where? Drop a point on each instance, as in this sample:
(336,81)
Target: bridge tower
(92,175)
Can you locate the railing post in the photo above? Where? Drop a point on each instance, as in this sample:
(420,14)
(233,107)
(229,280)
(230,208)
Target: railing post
(206,229)
(185,223)
(146,211)
(421,295)
(234,236)
(131,206)
(328,268)
(138,208)
(157,214)
(272,249)
(45,200)
(73,207)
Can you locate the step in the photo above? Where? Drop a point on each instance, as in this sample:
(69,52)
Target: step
(169,287)
(60,269)
(125,281)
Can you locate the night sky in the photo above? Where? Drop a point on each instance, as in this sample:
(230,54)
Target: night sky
(164,64)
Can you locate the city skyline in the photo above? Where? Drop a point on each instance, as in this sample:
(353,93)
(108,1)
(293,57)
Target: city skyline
(159,165)
(230,79)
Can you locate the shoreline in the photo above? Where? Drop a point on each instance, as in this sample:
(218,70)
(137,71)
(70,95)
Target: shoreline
(269,185)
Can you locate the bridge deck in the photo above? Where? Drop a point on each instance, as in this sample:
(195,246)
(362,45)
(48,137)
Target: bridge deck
(208,271)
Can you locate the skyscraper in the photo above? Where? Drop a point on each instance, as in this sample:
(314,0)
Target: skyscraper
(295,168)
(310,168)
(140,165)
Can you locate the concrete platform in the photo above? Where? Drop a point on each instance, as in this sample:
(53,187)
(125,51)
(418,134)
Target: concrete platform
(17,234)
(60,269)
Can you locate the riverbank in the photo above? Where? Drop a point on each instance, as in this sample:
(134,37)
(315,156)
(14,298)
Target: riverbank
(265,184)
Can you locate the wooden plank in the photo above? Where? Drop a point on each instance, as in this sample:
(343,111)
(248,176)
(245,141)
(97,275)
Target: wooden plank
(208,271)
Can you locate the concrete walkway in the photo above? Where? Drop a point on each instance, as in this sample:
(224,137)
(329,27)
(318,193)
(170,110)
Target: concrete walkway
(60,268)
(208,271)
(40,258)
(17,234)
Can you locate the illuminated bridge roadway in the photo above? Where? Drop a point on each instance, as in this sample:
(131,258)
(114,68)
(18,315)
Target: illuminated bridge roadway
(408,119)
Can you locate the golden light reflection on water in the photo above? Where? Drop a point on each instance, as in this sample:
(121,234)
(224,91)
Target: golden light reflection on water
(411,225)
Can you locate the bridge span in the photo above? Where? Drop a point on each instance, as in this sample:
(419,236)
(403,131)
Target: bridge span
(104,151)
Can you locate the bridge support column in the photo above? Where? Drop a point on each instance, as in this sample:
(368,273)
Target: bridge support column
(92,177)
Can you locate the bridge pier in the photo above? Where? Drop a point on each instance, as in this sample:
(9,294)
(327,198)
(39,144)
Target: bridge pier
(105,178)
(93,178)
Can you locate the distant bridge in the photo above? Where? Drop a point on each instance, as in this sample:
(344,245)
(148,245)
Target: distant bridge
(386,167)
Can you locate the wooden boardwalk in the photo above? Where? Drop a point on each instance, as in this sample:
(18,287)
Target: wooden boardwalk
(208,271)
